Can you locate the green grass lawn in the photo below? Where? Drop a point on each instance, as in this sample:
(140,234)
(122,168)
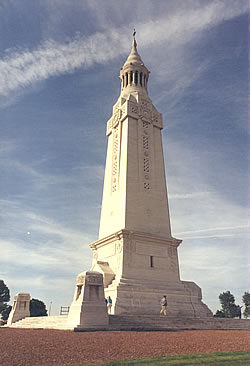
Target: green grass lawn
(204,359)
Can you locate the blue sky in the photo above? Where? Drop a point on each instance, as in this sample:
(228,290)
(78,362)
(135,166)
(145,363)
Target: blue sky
(59,67)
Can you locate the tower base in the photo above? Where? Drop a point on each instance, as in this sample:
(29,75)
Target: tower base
(131,297)
(139,269)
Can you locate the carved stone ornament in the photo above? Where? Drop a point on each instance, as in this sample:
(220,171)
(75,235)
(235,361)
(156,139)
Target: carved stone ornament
(92,280)
(118,246)
(115,119)
(144,103)
(145,112)
(134,109)
(171,251)
(155,118)
(80,280)
(128,248)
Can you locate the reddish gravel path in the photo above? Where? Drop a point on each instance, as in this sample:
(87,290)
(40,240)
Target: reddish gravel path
(30,347)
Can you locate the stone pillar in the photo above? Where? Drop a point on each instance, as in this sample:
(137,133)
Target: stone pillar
(88,309)
(20,308)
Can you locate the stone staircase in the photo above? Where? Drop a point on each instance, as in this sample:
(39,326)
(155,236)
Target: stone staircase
(160,322)
(43,322)
(138,323)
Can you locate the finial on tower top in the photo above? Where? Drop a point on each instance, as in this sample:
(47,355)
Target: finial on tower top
(134,41)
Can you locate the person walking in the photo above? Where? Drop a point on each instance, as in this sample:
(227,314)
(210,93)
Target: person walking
(164,305)
(238,313)
(109,304)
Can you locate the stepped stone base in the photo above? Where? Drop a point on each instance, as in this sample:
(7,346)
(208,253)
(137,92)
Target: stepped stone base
(43,322)
(160,322)
(143,298)
(138,323)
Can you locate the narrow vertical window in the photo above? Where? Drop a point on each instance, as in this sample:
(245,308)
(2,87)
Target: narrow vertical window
(131,77)
(126,79)
(144,80)
(141,78)
(136,77)
(151,261)
(123,81)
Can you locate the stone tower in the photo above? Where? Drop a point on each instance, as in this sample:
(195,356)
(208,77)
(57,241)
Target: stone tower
(136,252)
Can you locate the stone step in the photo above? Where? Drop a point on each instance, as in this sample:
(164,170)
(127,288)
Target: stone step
(139,322)
(52,322)
(177,323)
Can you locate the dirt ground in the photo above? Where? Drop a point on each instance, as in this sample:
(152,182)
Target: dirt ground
(33,347)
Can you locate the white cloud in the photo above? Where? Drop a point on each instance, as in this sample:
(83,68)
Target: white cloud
(211,236)
(49,244)
(188,195)
(198,204)
(95,172)
(44,262)
(38,178)
(47,255)
(14,252)
(215,229)
(216,265)
(23,68)
(7,146)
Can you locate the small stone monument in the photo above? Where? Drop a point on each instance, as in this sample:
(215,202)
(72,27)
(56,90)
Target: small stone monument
(20,309)
(88,308)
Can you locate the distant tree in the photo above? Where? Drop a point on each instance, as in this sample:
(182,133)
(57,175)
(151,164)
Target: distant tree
(5,310)
(229,308)
(246,301)
(4,292)
(4,298)
(219,314)
(37,308)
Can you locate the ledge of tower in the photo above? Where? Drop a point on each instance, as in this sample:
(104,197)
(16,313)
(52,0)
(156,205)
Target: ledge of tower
(133,96)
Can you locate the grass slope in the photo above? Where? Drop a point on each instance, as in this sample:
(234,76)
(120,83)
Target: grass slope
(203,359)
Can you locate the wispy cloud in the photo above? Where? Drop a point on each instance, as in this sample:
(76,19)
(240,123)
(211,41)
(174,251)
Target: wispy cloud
(7,146)
(48,245)
(38,244)
(21,68)
(188,195)
(214,229)
(47,226)
(210,266)
(94,171)
(41,179)
(213,236)
(17,252)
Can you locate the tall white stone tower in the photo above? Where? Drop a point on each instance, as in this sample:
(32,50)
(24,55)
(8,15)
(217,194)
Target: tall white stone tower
(135,250)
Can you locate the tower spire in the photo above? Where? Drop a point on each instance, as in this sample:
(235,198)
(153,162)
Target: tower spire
(134,74)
